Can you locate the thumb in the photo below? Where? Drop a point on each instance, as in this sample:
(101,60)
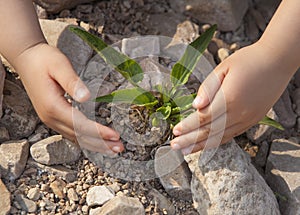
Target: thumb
(209,88)
(70,82)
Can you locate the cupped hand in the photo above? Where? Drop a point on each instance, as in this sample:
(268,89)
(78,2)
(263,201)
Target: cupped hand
(234,97)
(47,75)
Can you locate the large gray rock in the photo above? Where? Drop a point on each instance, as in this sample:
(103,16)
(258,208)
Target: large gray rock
(225,182)
(55,6)
(120,204)
(5,199)
(228,14)
(2,78)
(19,116)
(283,174)
(55,150)
(57,34)
(173,172)
(13,157)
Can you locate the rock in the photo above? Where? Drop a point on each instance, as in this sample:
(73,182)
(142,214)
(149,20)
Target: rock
(5,199)
(223,53)
(227,14)
(19,116)
(297,78)
(251,29)
(34,194)
(55,6)
(96,69)
(258,18)
(162,202)
(173,173)
(4,135)
(13,157)
(262,154)
(284,111)
(225,182)
(143,46)
(57,34)
(72,195)
(128,206)
(55,150)
(267,8)
(2,78)
(99,195)
(283,174)
(296,100)
(41,12)
(186,32)
(26,204)
(57,187)
(259,133)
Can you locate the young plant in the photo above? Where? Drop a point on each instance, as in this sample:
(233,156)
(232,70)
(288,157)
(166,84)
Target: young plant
(169,103)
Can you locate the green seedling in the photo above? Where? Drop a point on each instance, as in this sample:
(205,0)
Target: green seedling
(169,103)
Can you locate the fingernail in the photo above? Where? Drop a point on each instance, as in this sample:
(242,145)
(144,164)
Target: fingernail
(176,132)
(114,138)
(197,101)
(116,149)
(81,93)
(175,146)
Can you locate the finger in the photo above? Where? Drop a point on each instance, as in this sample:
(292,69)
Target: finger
(200,134)
(96,145)
(67,78)
(209,88)
(204,116)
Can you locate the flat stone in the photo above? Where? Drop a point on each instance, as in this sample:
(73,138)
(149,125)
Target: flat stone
(5,199)
(99,195)
(283,174)
(34,193)
(55,150)
(58,35)
(72,195)
(54,6)
(141,46)
(284,111)
(173,172)
(2,78)
(26,204)
(225,182)
(227,14)
(19,116)
(13,158)
(128,205)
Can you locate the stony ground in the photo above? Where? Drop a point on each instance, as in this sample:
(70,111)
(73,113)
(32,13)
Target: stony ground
(63,189)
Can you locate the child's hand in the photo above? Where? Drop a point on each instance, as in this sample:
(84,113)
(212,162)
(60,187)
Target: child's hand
(234,97)
(47,74)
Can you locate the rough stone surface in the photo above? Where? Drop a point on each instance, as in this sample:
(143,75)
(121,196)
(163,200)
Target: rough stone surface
(284,111)
(128,206)
(283,174)
(57,34)
(296,100)
(55,6)
(4,135)
(13,157)
(5,199)
(19,116)
(141,46)
(99,195)
(228,14)
(57,187)
(26,204)
(2,78)
(173,173)
(217,176)
(34,193)
(55,150)
(162,202)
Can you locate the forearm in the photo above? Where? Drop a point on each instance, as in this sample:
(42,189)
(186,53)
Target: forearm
(281,37)
(20,28)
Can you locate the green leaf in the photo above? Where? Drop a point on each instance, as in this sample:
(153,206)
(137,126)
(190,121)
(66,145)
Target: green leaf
(185,66)
(184,102)
(135,96)
(129,68)
(271,122)
(165,111)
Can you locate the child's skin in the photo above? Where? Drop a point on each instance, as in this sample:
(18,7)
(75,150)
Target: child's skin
(252,79)
(47,74)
